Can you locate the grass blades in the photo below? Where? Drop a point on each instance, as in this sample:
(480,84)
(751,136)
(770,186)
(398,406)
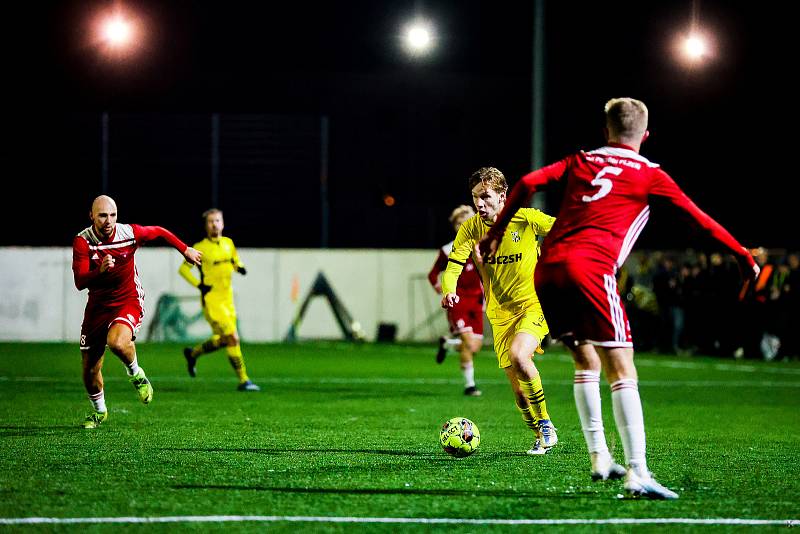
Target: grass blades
(352,430)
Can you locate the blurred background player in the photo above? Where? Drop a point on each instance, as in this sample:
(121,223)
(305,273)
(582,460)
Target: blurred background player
(513,310)
(605,208)
(103,262)
(466,316)
(220,259)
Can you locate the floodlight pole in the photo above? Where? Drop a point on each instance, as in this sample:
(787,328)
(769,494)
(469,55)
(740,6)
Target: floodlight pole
(215,160)
(104,152)
(537,97)
(323,181)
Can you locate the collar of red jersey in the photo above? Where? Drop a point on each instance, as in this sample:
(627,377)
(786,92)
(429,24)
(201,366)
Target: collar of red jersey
(620,145)
(100,237)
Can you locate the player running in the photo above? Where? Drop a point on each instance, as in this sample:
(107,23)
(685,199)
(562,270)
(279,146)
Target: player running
(512,308)
(605,208)
(220,259)
(103,262)
(466,317)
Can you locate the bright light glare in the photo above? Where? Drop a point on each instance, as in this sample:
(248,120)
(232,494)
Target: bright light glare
(418,38)
(695,47)
(117,31)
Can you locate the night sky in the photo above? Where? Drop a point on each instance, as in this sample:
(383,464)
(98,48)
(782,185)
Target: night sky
(412,129)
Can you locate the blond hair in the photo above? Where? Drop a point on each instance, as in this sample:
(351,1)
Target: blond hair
(211,211)
(626,119)
(461,212)
(490,177)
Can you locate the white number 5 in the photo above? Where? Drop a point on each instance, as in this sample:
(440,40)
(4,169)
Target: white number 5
(604,184)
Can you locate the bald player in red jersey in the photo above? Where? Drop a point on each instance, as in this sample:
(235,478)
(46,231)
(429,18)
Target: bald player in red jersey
(605,208)
(103,261)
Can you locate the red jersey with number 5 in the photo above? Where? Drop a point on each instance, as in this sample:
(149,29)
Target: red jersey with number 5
(605,205)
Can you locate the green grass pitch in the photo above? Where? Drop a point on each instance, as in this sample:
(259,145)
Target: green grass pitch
(352,430)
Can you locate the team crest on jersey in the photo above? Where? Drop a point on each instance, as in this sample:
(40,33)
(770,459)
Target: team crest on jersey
(515,236)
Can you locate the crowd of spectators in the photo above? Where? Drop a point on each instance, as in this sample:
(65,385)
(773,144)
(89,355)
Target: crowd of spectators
(692,302)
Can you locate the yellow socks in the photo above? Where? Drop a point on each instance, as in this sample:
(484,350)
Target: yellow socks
(209,345)
(535,393)
(237,362)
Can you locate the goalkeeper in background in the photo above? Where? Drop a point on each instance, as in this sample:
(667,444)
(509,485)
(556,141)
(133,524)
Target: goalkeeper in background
(220,259)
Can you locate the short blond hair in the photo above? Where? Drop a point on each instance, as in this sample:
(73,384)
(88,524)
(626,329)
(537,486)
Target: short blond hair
(490,177)
(461,211)
(626,119)
(212,211)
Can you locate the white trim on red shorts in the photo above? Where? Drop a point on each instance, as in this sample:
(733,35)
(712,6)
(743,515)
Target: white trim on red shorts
(615,308)
(609,344)
(134,329)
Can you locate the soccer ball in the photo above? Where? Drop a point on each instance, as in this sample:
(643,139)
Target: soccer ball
(460,437)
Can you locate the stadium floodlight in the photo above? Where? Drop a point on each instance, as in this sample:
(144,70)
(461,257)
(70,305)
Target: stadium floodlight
(695,47)
(418,37)
(117,32)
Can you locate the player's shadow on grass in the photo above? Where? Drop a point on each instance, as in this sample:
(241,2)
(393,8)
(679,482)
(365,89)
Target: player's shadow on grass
(21,431)
(279,452)
(513,494)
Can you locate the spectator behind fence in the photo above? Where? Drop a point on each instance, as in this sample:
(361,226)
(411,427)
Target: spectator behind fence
(668,287)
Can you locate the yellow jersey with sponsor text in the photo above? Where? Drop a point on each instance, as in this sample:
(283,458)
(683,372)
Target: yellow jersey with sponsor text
(508,275)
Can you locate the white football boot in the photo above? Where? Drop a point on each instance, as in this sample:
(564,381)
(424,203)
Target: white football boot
(605,468)
(545,440)
(646,486)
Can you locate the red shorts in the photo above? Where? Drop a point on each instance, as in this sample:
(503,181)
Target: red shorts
(467,315)
(98,319)
(580,301)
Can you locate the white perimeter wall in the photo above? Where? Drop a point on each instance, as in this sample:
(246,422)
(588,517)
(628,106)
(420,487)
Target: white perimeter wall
(39,302)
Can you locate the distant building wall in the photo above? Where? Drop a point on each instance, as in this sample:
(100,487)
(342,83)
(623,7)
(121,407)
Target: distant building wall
(39,302)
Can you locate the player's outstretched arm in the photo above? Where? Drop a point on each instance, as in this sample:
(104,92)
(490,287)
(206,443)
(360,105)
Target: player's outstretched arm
(193,256)
(149,233)
(664,186)
(487,247)
(518,198)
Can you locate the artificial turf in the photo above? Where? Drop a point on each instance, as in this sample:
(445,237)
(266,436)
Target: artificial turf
(351,430)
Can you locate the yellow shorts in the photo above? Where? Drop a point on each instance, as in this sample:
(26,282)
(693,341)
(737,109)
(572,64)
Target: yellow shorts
(221,315)
(530,321)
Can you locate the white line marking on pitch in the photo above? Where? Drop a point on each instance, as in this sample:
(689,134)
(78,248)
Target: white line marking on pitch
(411,520)
(422,381)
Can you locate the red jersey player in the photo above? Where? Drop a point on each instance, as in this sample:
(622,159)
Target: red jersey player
(605,208)
(466,317)
(103,262)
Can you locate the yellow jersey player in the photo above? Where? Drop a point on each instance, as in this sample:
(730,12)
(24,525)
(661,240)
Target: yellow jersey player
(220,259)
(512,307)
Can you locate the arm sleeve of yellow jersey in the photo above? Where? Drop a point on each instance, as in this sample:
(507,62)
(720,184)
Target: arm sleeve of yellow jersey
(237,262)
(541,222)
(462,248)
(186,272)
